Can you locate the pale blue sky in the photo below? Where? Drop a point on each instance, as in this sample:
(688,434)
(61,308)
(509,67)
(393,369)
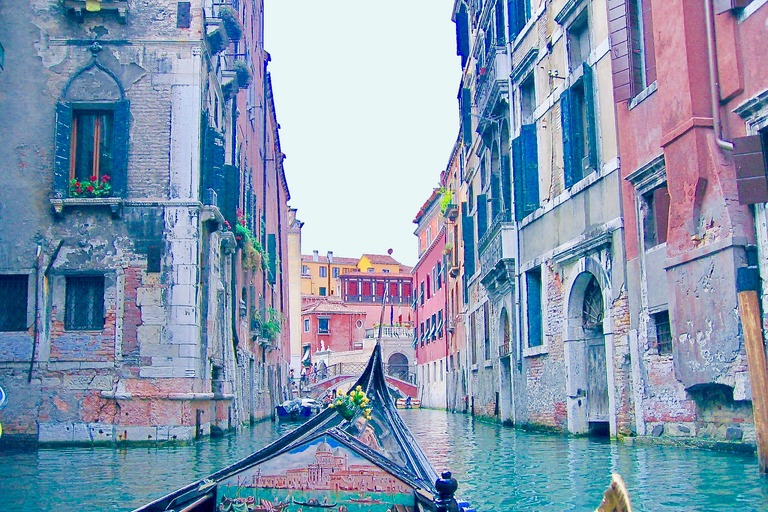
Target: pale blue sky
(365,93)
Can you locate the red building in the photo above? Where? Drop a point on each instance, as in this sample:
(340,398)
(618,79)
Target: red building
(329,324)
(689,87)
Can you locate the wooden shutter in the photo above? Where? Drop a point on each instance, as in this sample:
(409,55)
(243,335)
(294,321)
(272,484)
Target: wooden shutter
(618,24)
(468,237)
(530,158)
(589,100)
(120,137)
(482,215)
(565,117)
(506,187)
(751,181)
(462,35)
(500,40)
(272,252)
(533,285)
(495,195)
(515,17)
(231,193)
(466,116)
(518,178)
(63,147)
(649,46)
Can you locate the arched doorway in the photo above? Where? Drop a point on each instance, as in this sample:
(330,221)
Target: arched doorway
(506,356)
(592,308)
(587,375)
(397,367)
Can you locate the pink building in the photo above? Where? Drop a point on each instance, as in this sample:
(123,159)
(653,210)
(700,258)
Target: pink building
(430,302)
(329,324)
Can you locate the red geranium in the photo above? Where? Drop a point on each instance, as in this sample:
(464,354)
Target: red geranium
(90,188)
(105,178)
(94,178)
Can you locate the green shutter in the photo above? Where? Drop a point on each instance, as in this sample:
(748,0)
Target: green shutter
(482,215)
(466,116)
(468,237)
(272,252)
(495,195)
(506,187)
(500,23)
(533,285)
(589,100)
(518,177)
(530,168)
(565,117)
(63,146)
(230,193)
(121,125)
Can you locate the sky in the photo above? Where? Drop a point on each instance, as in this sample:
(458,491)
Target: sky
(365,95)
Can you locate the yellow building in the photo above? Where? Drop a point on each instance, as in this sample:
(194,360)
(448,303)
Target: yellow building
(320,274)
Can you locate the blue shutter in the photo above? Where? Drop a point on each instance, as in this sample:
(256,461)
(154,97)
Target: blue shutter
(530,168)
(495,195)
(63,146)
(468,237)
(533,285)
(589,100)
(513,16)
(565,116)
(466,116)
(120,136)
(482,215)
(230,193)
(518,177)
(462,35)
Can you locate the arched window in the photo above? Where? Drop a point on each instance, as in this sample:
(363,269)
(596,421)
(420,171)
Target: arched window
(592,309)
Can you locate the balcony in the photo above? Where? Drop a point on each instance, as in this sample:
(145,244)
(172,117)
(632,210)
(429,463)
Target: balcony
(404,333)
(496,248)
(491,84)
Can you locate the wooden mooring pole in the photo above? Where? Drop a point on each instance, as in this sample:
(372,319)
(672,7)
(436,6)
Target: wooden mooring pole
(747,286)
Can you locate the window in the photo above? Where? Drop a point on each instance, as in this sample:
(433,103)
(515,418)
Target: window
(473,336)
(655,212)
(518,13)
(323,272)
(352,288)
(306,325)
(525,156)
(533,307)
(578,42)
(305,270)
(632,57)
(370,269)
(367,288)
(335,272)
(438,277)
(84,307)
(322,326)
(421,296)
(663,332)
(429,288)
(440,324)
(92,145)
(13,305)
(423,334)
(91,142)
(487,330)
(428,332)
(579,128)
(323,291)
(385,271)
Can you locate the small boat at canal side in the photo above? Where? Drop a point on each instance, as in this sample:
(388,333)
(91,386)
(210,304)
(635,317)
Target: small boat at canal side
(298,409)
(357,455)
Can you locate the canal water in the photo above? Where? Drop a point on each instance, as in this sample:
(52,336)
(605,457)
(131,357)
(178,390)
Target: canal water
(498,468)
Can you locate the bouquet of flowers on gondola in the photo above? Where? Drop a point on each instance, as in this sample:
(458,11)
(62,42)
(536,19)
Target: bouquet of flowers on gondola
(348,404)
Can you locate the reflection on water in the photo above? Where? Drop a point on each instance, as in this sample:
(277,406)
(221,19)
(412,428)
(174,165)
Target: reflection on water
(501,468)
(498,468)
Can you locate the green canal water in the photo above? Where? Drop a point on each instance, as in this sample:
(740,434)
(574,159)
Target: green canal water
(498,468)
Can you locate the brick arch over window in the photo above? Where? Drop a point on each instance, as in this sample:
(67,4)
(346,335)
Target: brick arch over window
(581,276)
(92,121)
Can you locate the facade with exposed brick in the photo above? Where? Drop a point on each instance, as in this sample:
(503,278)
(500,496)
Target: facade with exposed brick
(127,280)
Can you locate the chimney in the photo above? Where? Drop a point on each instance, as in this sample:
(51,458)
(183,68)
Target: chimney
(314,256)
(330,256)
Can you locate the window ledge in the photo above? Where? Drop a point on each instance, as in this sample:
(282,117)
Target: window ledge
(114,203)
(473,368)
(535,351)
(489,364)
(643,94)
(78,6)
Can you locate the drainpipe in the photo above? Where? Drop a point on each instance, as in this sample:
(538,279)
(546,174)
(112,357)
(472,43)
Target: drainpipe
(714,85)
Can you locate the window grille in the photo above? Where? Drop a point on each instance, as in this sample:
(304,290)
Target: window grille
(592,312)
(13,305)
(84,303)
(663,333)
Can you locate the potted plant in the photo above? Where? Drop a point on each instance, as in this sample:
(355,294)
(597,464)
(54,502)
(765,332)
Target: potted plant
(348,405)
(231,23)
(217,40)
(242,73)
(92,187)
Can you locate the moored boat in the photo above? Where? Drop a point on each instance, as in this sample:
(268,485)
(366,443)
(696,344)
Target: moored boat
(356,456)
(298,409)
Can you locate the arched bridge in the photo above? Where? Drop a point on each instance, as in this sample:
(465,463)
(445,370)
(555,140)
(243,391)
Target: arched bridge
(400,378)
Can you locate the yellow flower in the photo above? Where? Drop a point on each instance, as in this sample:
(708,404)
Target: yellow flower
(359,388)
(331,405)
